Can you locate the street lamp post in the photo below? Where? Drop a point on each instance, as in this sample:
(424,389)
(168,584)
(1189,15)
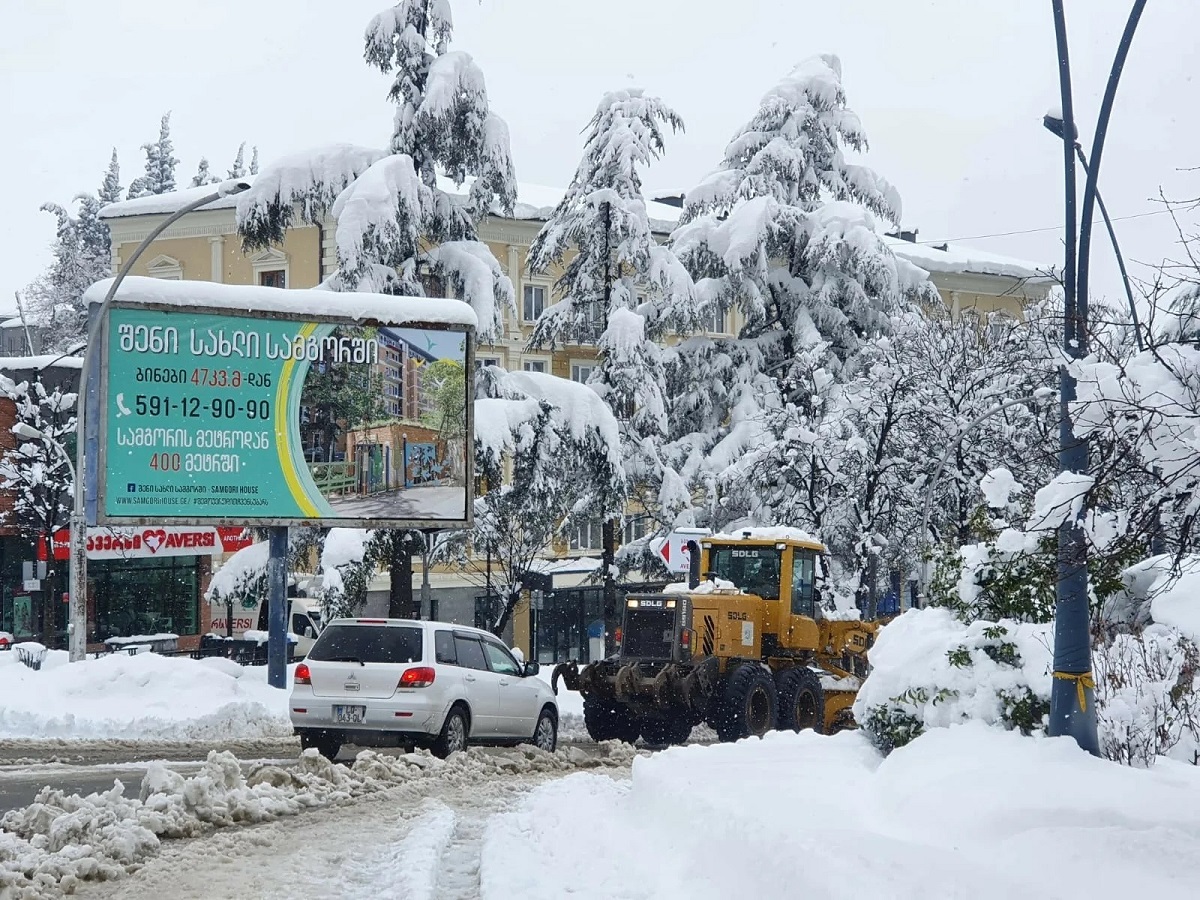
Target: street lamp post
(87,440)
(1072,698)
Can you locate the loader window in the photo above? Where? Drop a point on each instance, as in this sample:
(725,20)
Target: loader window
(802,584)
(753,569)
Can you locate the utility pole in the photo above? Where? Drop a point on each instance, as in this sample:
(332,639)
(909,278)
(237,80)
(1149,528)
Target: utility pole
(1072,696)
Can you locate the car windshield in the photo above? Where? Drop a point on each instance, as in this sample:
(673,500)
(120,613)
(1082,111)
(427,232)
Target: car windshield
(367,644)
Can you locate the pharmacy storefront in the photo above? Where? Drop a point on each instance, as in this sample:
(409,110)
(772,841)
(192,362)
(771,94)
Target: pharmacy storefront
(150,580)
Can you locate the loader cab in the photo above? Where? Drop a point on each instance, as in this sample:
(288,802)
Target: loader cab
(786,573)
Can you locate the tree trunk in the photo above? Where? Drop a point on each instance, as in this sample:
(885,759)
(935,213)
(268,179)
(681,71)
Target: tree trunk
(400,571)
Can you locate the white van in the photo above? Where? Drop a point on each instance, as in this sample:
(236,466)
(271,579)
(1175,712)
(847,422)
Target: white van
(303,622)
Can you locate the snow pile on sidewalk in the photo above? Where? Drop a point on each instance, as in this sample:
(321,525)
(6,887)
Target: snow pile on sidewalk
(59,841)
(968,811)
(929,670)
(146,696)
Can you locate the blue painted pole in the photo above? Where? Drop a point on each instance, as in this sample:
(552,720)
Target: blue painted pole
(277,553)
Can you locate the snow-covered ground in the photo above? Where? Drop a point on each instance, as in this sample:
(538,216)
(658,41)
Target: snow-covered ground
(148,696)
(969,811)
(391,835)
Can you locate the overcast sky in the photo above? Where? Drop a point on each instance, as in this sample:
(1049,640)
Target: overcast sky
(951,93)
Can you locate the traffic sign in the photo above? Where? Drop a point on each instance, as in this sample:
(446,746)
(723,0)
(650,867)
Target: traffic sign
(673,548)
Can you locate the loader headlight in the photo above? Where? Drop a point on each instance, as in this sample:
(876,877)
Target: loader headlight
(632,604)
(670,604)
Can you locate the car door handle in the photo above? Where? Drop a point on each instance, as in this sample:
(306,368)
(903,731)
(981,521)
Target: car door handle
(504,681)
(470,677)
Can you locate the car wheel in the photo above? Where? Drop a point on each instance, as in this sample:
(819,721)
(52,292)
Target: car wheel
(453,736)
(325,744)
(545,735)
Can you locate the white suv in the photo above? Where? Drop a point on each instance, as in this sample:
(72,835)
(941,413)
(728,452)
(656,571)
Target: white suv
(400,682)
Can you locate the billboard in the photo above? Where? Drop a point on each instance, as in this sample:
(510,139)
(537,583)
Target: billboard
(221,416)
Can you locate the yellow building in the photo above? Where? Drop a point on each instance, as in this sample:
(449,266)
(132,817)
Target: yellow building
(204,246)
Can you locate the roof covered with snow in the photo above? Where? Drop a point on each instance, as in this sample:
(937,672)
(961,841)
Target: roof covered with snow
(44,361)
(382,308)
(535,203)
(955,259)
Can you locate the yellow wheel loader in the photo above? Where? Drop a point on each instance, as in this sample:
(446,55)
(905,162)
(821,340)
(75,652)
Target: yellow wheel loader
(747,648)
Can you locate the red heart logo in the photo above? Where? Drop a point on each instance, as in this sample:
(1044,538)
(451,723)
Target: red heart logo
(154,538)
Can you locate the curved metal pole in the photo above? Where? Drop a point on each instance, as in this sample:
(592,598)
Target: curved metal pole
(1089,190)
(77,639)
(937,474)
(1112,236)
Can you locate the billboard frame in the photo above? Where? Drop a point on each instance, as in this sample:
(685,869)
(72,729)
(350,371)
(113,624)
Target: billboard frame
(182,312)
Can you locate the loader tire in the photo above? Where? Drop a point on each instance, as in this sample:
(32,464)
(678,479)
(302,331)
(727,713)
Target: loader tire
(748,704)
(668,731)
(801,701)
(607,720)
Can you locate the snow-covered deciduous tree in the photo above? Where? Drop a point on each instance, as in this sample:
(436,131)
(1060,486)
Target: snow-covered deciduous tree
(620,289)
(549,452)
(35,469)
(389,204)
(159,177)
(203,176)
(786,233)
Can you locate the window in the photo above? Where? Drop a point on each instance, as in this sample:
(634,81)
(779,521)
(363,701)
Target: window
(534,365)
(635,529)
(998,327)
(433,285)
(714,321)
(468,652)
(500,659)
(534,302)
(588,536)
(582,372)
(275,278)
(368,644)
(753,569)
(300,625)
(443,648)
(481,361)
(802,584)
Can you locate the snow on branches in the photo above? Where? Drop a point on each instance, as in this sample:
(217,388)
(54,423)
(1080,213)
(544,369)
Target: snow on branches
(36,468)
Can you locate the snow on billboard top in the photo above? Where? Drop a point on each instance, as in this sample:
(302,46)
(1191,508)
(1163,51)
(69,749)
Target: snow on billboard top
(382,309)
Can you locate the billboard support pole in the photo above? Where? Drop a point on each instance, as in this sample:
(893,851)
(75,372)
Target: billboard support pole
(277,606)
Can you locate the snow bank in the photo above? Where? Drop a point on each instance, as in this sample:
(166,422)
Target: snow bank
(59,841)
(147,697)
(1175,597)
(962,812)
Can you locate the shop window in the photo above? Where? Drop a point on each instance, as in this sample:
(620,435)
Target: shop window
(143,596)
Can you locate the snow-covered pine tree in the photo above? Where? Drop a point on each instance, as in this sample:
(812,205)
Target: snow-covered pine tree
(389,204)
(254,161)
(785,232)
(203,176)
(620,290)
(160,164)
(396,227)
(36,470)
(110,189)
(238,169)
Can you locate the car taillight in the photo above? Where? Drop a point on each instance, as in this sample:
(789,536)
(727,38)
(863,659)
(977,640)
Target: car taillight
(303,675)
(422,676)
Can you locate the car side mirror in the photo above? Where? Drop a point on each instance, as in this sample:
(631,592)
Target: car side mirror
(531,669)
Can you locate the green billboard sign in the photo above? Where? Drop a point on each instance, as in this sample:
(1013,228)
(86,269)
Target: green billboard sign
(214,416)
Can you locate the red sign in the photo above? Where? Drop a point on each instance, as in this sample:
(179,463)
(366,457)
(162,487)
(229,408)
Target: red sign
(144,543)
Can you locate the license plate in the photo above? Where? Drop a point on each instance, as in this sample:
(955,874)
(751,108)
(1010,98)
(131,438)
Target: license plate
(349,715)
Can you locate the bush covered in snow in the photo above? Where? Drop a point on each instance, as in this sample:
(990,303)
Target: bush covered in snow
(931,670)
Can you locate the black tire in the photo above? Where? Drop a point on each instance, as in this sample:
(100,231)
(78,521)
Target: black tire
(454,734)
(608,720)
(667,731)
(545,733)
(801,701)
(747,705)
(325,744)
